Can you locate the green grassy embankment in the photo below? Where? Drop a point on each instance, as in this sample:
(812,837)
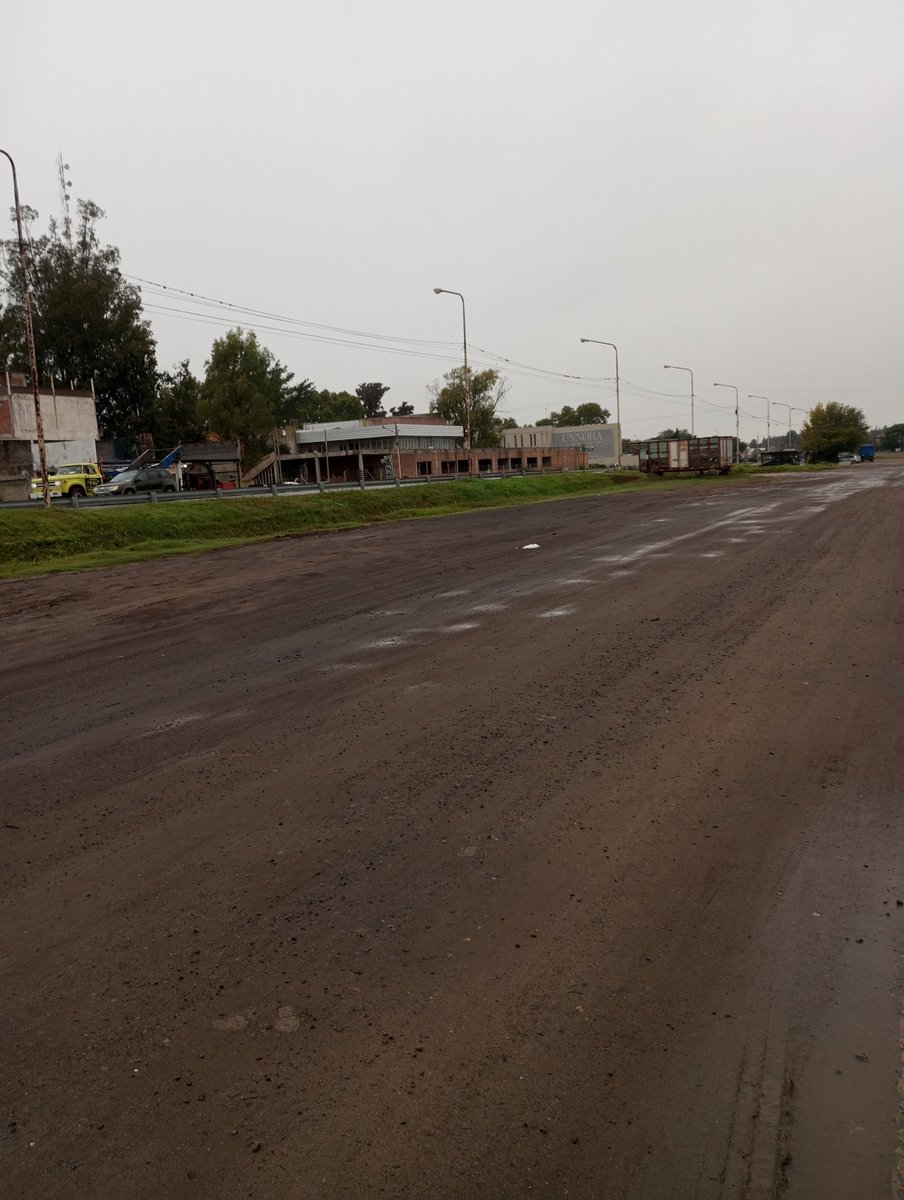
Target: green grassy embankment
(65,539)
(34,541)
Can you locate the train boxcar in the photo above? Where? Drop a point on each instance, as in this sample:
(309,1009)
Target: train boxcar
(702,456)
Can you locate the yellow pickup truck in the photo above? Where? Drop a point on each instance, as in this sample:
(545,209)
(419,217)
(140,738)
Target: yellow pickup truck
(71,479)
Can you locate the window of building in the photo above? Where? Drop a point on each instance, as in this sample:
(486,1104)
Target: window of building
(516,464)
(484,464)
(532,463)
(463,466)
(547,460)
(502,464)
(425,468)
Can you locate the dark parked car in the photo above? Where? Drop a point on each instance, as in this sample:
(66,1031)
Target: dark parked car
(130,483)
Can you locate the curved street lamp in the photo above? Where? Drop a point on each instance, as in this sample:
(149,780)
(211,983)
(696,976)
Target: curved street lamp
(737,419)
(669,367)
(30,337)
(782,404)
(597,342)
(805,412)
(754,396)
(464,339)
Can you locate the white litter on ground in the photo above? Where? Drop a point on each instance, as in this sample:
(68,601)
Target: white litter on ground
(531,546)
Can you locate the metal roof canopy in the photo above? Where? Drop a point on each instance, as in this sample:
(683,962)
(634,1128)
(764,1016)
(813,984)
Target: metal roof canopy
(378,433)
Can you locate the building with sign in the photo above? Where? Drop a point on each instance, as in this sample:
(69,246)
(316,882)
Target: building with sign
(599,441)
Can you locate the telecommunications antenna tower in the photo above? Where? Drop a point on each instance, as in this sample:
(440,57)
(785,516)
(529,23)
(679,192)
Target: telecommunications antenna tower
(65,185)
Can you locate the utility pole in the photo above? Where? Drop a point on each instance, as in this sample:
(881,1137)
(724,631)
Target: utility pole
(30,337)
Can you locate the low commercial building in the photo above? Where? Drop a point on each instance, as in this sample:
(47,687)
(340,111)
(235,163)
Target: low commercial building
(599,441)
(350,451)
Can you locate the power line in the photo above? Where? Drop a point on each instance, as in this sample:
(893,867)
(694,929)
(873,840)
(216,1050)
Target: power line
(342,334)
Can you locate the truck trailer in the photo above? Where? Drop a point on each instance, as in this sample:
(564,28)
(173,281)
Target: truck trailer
(702,456)
(867,453)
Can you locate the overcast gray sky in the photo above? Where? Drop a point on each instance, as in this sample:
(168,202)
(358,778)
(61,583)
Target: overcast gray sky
(714,185)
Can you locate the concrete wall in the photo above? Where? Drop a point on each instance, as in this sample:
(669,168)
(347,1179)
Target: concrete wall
(67,417)
(70,424)
(15,469)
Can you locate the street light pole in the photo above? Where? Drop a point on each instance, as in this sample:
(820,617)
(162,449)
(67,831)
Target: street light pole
(737,419)
(464,338)
(754,396)
(669,367)
(800,444)
(781,404)
(30,338)
(596,342)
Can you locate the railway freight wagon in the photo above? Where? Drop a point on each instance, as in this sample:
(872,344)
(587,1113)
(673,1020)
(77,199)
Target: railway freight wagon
(703,456)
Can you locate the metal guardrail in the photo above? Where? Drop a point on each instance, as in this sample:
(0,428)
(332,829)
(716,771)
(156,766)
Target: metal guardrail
(262,492)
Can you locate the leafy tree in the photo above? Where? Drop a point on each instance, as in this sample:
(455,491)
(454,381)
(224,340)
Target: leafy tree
(87,322)
(673,433)
(305,405)
(371,397)
(592,414)
(338,406)
(566,416)
(297,401)
(403,410)
(475,394)
(831,428)
(244,391)
(176,413)
(891,437)
(585,414)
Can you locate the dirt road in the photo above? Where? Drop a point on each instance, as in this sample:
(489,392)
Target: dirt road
(408,862)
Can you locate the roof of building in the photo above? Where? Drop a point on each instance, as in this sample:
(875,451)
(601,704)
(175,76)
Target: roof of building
(370,433)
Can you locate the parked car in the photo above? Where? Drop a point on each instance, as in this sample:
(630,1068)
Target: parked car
(144,479)
(847,459)
(71,479)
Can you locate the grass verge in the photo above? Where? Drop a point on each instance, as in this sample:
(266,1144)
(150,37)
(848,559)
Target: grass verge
(35,542)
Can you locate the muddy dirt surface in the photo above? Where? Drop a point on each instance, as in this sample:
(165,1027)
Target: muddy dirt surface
(407,862)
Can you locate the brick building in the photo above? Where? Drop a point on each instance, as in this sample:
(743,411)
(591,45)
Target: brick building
(384,448)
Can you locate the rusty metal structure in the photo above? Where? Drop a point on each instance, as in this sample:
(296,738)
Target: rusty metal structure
(700,456)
